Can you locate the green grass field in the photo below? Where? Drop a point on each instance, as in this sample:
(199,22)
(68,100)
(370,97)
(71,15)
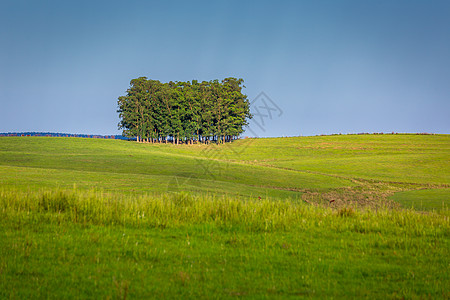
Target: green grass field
(354,216)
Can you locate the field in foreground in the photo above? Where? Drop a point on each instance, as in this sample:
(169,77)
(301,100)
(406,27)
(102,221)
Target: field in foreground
(300,217)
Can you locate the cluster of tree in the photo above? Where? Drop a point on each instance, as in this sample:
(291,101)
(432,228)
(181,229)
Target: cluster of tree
(184,112)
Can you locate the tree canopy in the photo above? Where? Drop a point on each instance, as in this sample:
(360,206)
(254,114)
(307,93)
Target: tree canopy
(184,112)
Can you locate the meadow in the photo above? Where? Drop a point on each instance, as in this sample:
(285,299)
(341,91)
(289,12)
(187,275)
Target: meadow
(353,216)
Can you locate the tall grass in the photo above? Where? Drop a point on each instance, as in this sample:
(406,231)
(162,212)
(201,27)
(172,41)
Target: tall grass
(179,209)
(90,244)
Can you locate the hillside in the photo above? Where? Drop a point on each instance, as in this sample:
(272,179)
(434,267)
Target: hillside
(312,217)
(363,168)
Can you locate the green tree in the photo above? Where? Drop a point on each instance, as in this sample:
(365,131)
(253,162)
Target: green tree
(152,111)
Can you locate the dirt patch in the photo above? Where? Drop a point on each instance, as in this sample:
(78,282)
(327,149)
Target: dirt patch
(373,196)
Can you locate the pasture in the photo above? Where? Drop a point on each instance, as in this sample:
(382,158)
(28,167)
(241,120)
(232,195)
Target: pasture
(331,216)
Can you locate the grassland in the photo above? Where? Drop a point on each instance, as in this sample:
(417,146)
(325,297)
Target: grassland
(314,217)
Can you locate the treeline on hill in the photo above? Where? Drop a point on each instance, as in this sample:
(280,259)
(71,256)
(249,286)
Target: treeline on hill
(184,112)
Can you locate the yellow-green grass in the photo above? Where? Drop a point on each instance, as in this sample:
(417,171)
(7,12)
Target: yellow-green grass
(305,217)
(285,168)
(433,199)
(396,158)
(76,245)
(110,164)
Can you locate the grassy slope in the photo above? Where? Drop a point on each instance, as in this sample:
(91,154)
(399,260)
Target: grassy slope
(399,158)
(432,199)
(61,246)
(119,165)
(335,167)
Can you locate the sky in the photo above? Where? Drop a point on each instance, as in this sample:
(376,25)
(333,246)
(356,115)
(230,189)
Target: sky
(310,67)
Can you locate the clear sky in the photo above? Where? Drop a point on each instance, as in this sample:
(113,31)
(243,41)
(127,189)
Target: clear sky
(330,66)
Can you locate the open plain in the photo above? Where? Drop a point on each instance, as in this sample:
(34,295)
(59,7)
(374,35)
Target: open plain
(360,216)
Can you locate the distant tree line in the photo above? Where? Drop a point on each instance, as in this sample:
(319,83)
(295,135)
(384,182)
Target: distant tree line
(184,112)
(58,134)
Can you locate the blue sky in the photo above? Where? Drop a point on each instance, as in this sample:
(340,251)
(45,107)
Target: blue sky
(330,66)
